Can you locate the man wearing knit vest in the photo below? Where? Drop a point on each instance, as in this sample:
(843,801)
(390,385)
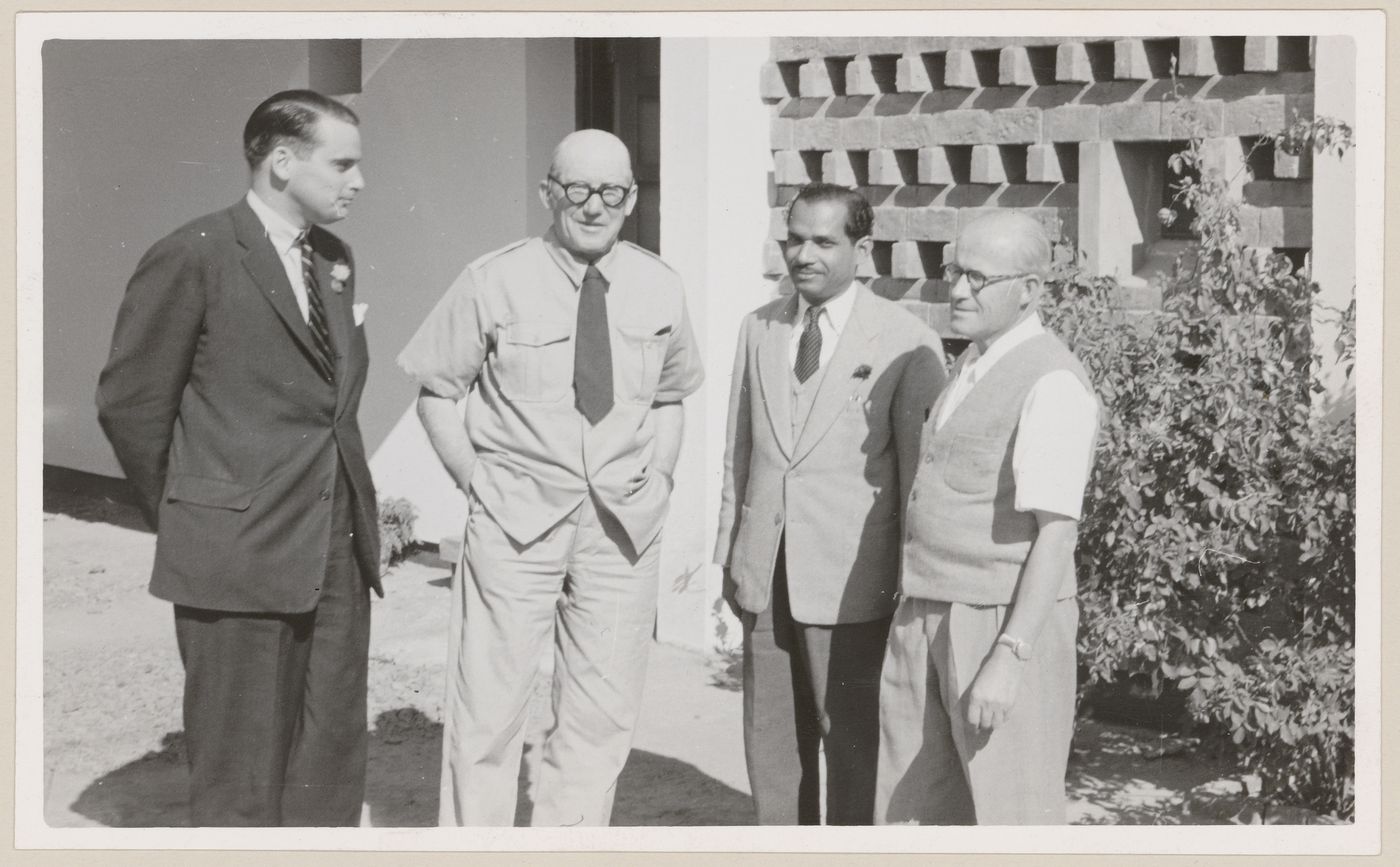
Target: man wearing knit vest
(977,690)
(831,387)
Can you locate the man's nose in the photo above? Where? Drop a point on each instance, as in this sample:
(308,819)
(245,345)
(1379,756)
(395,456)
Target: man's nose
(357,179)
(803,254)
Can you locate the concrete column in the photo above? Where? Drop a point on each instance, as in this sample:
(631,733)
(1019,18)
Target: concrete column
(1333,211)
(1108,223)
(714,223)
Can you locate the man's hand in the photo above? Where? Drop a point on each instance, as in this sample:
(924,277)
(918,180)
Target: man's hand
(730,593)
(639,481)
(994,690)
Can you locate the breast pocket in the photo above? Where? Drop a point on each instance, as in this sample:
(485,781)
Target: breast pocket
(637,367)
(535,360)
(974,463)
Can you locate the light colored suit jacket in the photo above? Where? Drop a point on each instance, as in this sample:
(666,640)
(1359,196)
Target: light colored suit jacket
(836,489)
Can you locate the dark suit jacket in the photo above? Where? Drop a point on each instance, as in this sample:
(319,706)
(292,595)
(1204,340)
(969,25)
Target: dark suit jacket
(223,427)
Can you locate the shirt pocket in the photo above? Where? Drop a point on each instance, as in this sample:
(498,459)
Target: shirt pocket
(974,463)
(637,365)
(535,360)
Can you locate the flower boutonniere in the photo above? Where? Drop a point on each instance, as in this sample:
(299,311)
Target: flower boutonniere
(340,272)
(862,372)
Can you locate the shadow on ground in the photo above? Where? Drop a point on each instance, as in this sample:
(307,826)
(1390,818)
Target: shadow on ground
(88,497)
(402,785)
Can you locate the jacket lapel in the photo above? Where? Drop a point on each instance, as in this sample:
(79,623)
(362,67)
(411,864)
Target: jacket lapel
(260,260)
(837,383)
(775,374)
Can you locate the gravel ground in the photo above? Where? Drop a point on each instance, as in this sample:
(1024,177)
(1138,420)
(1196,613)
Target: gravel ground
(112,683)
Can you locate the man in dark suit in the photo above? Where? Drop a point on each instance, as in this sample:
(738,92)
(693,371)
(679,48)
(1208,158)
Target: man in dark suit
(230,398)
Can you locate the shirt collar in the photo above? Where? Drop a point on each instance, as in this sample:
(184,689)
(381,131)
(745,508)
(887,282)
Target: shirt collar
(280,230)
(574,268)
(1014,337)
(838,309)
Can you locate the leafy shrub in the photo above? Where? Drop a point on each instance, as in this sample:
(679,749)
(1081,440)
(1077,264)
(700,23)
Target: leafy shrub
(1217,547)
(396,517)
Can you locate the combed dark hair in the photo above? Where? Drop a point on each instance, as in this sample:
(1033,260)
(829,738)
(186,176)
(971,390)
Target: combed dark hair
(859,217)
(289,117)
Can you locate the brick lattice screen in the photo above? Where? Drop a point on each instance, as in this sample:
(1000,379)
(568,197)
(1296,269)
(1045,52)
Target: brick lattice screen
(934,130)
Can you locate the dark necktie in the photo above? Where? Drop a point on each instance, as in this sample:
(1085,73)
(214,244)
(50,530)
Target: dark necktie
(593,373)
(316,314)
(809,348)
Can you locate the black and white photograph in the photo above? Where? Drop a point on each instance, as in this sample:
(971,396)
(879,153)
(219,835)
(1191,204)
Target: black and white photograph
(712,432)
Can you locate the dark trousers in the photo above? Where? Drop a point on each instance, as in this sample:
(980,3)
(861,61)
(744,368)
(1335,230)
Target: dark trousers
(275,704)
(804,685)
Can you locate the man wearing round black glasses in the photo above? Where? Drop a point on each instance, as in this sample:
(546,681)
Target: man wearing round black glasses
(573,352)
(977,691)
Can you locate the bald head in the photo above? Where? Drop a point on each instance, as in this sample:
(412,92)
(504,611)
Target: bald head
(1013,240)
(592,151)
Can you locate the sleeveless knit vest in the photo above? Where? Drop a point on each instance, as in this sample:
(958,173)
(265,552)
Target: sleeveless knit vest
(965,541)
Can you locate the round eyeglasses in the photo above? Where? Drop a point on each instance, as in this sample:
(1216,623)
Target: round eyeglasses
(976,280)
(578,192)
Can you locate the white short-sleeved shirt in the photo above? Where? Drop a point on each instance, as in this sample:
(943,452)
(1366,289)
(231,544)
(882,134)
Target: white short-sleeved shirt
(1055,436)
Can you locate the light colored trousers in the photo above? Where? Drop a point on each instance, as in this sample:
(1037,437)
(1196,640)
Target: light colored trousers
(576,581)
(935,768)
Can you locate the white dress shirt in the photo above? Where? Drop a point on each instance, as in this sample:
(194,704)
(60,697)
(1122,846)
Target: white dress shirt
(285,240)
(1055,435)
(831,321)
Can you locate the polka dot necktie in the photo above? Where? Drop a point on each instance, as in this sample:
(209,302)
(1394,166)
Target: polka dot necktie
(316,314)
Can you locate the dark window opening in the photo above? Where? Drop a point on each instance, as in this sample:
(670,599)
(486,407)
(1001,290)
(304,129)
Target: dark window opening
(1178,227)
(1100,60)
(882,257)
(812,162)
(1293,53)
(884,69)
(1229,54)
(1013,162)
(1162,56)
(959,162)
(931,258)
(988,65)
(1068,155)
(790,70)
(1042,60)
(836,71)
(936,67)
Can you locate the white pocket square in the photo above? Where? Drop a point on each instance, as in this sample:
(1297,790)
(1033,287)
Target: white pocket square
(359,312)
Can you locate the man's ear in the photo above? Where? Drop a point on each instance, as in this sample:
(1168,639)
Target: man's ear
(630,202)
(863,248)
(544,194)
(1032,285)
(279,163)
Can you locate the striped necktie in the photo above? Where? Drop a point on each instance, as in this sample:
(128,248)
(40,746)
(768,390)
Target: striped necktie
(809,348)
(316,313)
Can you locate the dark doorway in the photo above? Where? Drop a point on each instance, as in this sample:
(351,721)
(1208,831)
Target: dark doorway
(619,89)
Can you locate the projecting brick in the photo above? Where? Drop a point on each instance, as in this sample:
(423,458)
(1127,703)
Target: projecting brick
(837,168)
(780,134)
(793,47)
(1131,121)
(905,261)
(1072,63)
(987,167)
(884,168)
(771,84)
(1014,126)
(1072,123)
(911,75)
(777,224)
(1014,67)
(1261,54)
(859,133)
(933,224)
(1285,227)
(860,78)
(1043,165)
(884,44)
(816,133)
(1197,57)
(890,224)
(908,131)
(773,258)
(1256,114)
(934,167)
(789,169)
(1130,60)
(1194,119)
(1292,166)
(812,79)
(961,126)
(960,71)
(1286,194)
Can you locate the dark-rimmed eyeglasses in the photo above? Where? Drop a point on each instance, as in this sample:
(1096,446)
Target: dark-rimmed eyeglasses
(578,192)
(976,280)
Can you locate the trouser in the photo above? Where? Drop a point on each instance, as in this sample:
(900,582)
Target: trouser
(582,581)
(275,704)
(937,769)
(807,687)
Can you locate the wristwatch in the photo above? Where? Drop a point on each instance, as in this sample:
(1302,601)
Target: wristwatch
(1021,649)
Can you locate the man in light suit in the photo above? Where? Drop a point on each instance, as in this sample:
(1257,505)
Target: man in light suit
(230,399)
(831,386)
